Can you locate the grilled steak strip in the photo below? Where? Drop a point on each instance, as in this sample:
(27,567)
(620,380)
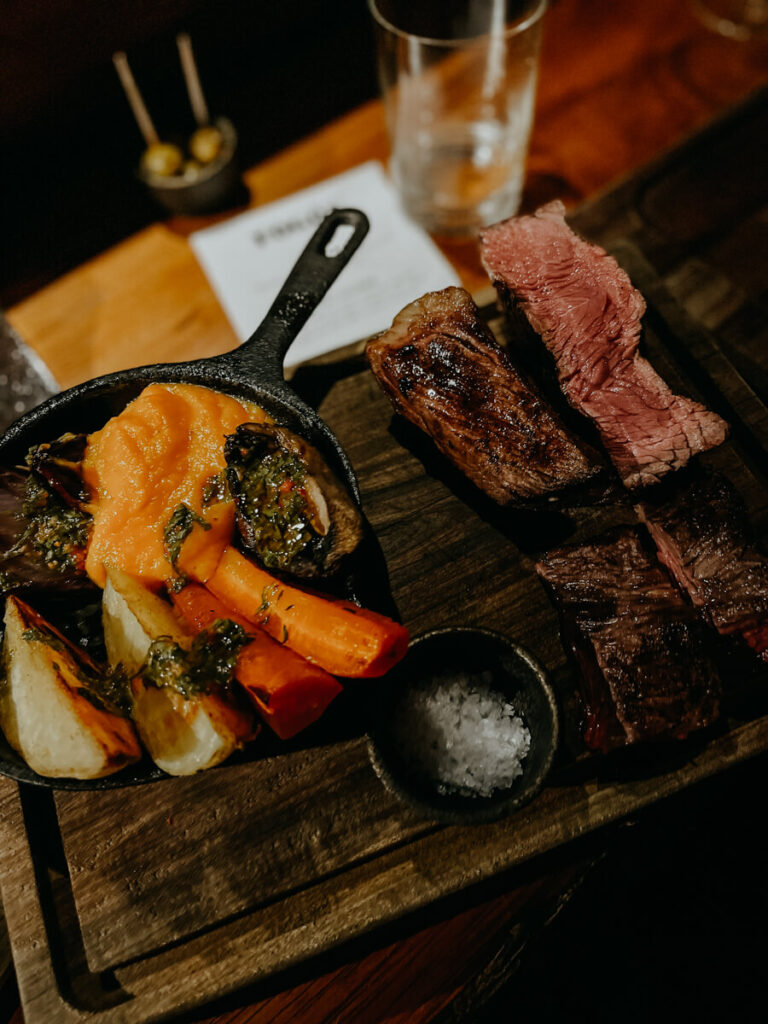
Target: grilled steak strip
(442,369)
(704,538)
(583,306)
(640,647)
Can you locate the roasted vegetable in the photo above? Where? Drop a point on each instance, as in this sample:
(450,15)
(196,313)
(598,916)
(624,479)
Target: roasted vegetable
(186,726)
(199,539)
(339,636)
(292,513)
(287,691)
(59,465)
(52,709)
(42,537)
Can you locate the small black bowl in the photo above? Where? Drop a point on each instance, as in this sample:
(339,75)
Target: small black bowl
(473,658)
(213,189)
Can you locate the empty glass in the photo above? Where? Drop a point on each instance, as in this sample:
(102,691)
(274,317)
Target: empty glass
(458,79)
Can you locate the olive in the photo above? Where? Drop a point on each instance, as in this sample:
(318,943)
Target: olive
(205,145)
(162,159)
(192,169)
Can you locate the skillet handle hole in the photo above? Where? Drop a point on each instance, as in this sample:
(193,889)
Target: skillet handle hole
(337,243)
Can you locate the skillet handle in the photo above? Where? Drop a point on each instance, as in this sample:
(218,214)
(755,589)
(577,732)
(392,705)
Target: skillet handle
(313,274)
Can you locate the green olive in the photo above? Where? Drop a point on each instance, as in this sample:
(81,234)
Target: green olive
(162,159)
(192,169)
(205,145)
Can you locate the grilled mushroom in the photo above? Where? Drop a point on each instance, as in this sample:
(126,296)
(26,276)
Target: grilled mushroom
(292,513)
(44,519)
(59,465)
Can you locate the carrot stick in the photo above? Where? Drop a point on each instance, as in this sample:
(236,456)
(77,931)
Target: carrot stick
(338,636)
(288,692)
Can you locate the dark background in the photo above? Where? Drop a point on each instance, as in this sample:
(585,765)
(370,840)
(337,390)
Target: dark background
(671,925)
(69,142)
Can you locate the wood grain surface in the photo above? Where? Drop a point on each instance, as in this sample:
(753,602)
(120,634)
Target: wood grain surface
(619,83)
(6,966)
(245,872)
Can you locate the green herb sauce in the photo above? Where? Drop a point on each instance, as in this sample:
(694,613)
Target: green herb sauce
(110,691)
(176,531)
(273,501)
(8,581)
(215,489)
(55,532)
(42,636)
(208,665)
(107,689)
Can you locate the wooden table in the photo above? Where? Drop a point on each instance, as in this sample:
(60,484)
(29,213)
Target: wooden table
(619,84)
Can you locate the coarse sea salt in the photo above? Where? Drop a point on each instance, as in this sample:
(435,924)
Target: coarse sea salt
(465,736)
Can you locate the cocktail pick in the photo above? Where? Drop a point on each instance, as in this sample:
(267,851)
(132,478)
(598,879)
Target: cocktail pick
(192,79)
(138,106)
(159,158)
(207,141)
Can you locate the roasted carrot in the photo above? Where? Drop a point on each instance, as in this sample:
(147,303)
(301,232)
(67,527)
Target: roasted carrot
(202,548)
(338,636)
(287,691)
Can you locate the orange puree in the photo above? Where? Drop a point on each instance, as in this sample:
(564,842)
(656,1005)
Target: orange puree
(158,453)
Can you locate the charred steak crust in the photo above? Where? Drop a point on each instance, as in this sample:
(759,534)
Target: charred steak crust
(704,538)
(442,369)
(641,650)
(584,308)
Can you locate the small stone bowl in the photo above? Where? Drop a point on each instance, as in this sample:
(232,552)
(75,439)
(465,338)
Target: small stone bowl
(473,657)
(214,187)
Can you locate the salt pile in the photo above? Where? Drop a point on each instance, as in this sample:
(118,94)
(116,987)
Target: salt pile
(465,736)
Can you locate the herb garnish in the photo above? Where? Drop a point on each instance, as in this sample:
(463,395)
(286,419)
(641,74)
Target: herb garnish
(107,689)
(269,593)
(110,691)
(8,581)
(34,635)
(209,664)
(56,533)
(274,508)
(215,489)
(176,531)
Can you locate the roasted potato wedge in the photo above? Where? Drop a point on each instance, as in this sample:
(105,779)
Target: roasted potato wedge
(182,735)
(133,617)
(45,713)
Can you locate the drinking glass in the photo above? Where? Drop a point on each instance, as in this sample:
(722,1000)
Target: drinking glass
(458,78)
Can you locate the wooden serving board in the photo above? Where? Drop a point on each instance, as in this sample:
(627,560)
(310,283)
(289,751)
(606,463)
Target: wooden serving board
(130,905)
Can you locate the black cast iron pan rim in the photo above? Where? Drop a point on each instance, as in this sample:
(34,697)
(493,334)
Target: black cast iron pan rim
(253,371)
(487,809)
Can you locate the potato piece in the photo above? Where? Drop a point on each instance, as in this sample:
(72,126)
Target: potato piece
(44,714)
(183,736)
(186,736)
(133,617)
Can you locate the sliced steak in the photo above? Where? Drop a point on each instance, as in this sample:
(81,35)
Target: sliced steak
(583,306)
(640,648)
(443,370)
(704,538)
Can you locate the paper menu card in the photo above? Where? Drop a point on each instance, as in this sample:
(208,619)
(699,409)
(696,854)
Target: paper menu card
(246,260)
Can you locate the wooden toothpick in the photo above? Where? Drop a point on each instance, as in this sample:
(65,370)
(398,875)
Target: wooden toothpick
(138,107)
(191,77)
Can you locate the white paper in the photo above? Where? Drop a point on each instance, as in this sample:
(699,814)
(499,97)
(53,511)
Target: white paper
(247,259)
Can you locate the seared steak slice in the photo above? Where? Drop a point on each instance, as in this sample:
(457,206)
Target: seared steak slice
(443,370)
(640,647)
(704,539)
(582,304)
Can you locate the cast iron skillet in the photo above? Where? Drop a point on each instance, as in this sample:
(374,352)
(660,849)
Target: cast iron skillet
(253,371)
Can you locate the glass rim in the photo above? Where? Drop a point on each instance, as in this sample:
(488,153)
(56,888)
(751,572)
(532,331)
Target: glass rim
(513,30)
